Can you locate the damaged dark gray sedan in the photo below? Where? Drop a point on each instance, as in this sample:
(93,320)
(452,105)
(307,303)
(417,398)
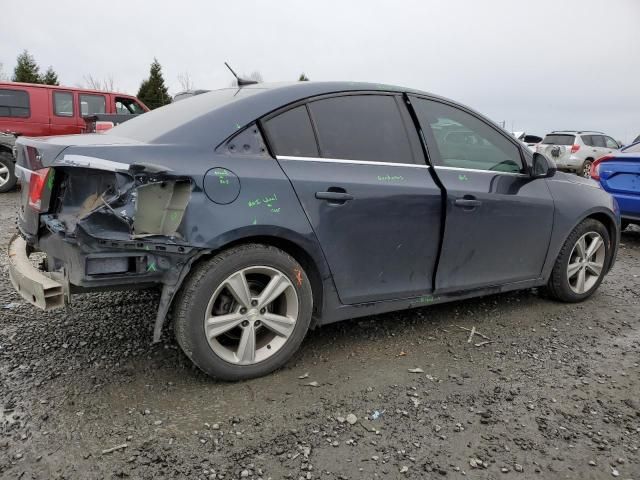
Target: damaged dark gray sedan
(264,211)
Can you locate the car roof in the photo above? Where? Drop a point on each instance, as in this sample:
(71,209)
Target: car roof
(205,119)
(59,87)
(575,132)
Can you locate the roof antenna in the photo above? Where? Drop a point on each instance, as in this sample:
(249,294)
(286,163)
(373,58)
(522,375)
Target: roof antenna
(241,81)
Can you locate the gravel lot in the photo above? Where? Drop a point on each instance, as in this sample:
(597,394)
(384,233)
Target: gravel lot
(555,394)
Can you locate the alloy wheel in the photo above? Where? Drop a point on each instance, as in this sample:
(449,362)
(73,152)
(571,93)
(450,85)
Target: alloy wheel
(586,262)
(251,315)
(4,174)
(586,169)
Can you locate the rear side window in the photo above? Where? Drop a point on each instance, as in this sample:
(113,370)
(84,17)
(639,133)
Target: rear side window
(598,141)
(559,139)
(586,139)
(291,133)
(361,127)
(465,141)
(92,104)
(14,103)
(63,104)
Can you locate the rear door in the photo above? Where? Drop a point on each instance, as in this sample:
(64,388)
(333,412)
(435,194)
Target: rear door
(356,164)
(498,219)
(557,146)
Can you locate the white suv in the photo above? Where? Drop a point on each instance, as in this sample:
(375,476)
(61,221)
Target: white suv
(575,151)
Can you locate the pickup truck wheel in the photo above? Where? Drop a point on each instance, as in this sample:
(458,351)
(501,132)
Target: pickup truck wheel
(582,262)
(244,313)
(7,172)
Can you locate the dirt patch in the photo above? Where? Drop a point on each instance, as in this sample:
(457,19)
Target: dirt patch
(554,394)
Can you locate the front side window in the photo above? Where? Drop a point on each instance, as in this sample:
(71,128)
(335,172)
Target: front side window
(14,103)
(291,133)
(128,106)
(465,141)
(361,127)
(63,104)
(611,143)
(92,104)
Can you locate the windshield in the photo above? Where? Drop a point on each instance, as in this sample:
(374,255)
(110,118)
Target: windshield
(635,148)
(555,139)
(153,125)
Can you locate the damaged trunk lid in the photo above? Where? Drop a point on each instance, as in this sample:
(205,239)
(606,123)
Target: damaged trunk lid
(82,185)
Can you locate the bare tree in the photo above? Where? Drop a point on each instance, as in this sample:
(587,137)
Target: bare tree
(185,81)
(107,84)
(3,75)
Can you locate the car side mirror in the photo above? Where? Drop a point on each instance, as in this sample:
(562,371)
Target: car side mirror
(542,167)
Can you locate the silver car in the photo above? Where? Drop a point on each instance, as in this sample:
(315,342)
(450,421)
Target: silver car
(575,151)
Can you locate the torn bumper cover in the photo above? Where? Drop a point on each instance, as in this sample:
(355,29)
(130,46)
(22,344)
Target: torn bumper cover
(104,226)
(36,287)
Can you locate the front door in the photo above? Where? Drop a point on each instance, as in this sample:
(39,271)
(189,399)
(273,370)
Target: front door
(366,190)
(498,219)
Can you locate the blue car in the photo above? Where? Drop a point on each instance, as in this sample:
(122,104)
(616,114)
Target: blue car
(619,174)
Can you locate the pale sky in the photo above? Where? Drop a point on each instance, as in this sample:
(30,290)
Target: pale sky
(539,65)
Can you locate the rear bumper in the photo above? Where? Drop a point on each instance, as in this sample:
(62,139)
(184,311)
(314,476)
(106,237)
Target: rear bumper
(35,286)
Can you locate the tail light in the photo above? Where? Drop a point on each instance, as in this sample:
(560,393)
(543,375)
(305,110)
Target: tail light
(595,166)
(103,126)
(37,182)
(575,148)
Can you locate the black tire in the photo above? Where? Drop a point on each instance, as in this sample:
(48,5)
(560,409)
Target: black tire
(6,161)
(586,168)
(558,286)
(193,299)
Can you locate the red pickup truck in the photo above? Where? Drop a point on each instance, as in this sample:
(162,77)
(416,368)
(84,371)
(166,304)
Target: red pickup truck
(42,110)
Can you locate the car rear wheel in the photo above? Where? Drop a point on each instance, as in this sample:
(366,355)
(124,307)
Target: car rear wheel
(586,168)
(244,313)
(582,262)
(7,172)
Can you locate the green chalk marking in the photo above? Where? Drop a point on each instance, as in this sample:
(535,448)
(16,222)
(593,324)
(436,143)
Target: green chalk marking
(52,174)
(152,267)
(390,178)
(462,178)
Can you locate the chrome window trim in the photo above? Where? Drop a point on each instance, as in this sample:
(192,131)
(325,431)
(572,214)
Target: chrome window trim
(354,162)
(477,170)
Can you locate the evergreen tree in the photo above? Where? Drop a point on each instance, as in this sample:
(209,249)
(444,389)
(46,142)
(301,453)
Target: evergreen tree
(153,91)
(27,69)
(303,78)
(50,77)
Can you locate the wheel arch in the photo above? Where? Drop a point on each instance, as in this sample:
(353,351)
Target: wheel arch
(610,223)
(299,253)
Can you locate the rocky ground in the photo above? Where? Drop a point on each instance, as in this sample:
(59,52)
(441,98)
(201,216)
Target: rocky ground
(544,390)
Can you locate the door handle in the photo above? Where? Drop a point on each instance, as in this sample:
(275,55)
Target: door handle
(468,202)
(335,195)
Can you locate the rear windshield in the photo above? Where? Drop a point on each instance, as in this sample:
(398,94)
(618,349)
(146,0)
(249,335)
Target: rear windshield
(555,139)
(153,125)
